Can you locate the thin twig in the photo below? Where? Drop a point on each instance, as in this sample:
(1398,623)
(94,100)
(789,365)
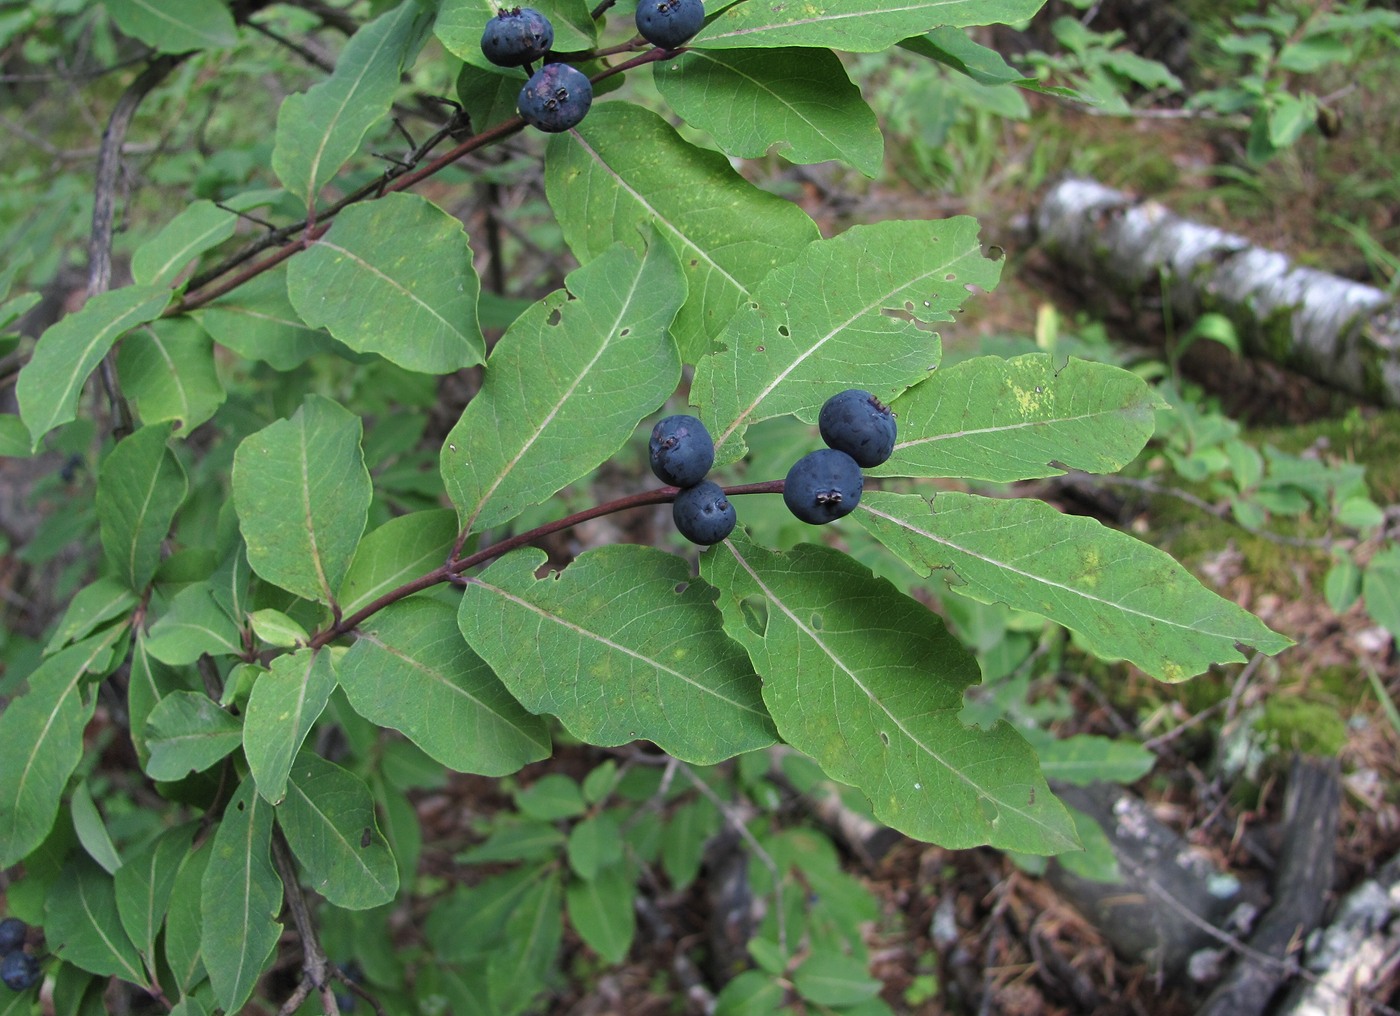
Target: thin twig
(314,965)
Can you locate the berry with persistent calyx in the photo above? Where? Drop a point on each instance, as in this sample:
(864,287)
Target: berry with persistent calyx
(669,23)
(859,424)
(703,514)
(682,450)
(19,971)
(556,98)
(517,36)
(823,486)
(12,932)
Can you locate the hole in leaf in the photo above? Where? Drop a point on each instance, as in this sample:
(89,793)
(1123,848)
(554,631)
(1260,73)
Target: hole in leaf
(625,332)
(681,587)
(755,611)
(783,331)
(884,738)
(817,622)
(555,317)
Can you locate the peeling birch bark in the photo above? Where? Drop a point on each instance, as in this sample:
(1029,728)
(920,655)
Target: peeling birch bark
(1336,331)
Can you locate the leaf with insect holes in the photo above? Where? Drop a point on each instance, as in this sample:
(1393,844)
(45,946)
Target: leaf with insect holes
(810,326)
(869,683)
(566,385)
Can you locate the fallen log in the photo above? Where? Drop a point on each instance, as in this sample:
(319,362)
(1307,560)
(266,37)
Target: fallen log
(1341,333)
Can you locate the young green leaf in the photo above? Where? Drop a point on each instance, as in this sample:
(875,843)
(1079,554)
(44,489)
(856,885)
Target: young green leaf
(302,494)
(140,487)
(1000,420)
(409,669)
(41,741)
(240,899)
(67,352)
(81,923)
(856,26)
(91,607)
(187,733)
(1126,599)
(394,277)
(623,644)
(517,973)
(624,167)
(601,911)
(194,625)
(328,816)
(809,328)
(92,831)
(145,882)
(285,702)
(150,682)
(566,385)
(829,977)
(869,683)
(183,923)
(1380,587)
(320,129)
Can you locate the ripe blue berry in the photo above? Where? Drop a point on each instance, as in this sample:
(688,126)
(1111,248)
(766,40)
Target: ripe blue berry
(669,23)
(12,932)
(556,98)
(517,36)
(703,514)
(19,971)
(859,424)
(823,486)
(682,450)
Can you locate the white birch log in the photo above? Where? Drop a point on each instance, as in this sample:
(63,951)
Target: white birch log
(1336,331)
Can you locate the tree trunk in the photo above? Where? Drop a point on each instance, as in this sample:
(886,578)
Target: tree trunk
(1336,331)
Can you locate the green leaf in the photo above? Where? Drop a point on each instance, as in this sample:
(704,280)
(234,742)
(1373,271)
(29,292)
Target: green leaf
(800,100)
(1002,420)
(150,682)
(857,26)
(14,437)
(328,816)
(516,974)
(409,669)
(140,487)
(566,385)
(752,993)
(600,910)
(257,321)
(595,843)
(320,129)
(487,95)
(277,629)
(1342,586)
(952,47)
(1380,587)
(145,882)
(625,166)
(285,702)
(82,925)
(552,797)
(869,683)
(401,549)
(194,625)
(623,644)
(1124,598)
(809,329)
(187,733)
(1085,758)
(174,26)
(167,371)
(92,606)
(523,840)
(67,352)
(41,742)
(833,978)
(1289,117)
(394,277)
(240,899)
(183,924)
(202,226)
(91,832)
(461,22)
(302,494)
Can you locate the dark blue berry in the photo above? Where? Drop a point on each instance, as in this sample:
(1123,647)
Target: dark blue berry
(19,971)
(556,98)
(517,36)
(859,424)
(823,486)
(682,450)
(669,23)
(703,514)
(12,933)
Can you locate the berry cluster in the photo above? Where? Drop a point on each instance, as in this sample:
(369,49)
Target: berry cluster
(821,487)
(826,484)
(557,96)
(682,452)
(18,969)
